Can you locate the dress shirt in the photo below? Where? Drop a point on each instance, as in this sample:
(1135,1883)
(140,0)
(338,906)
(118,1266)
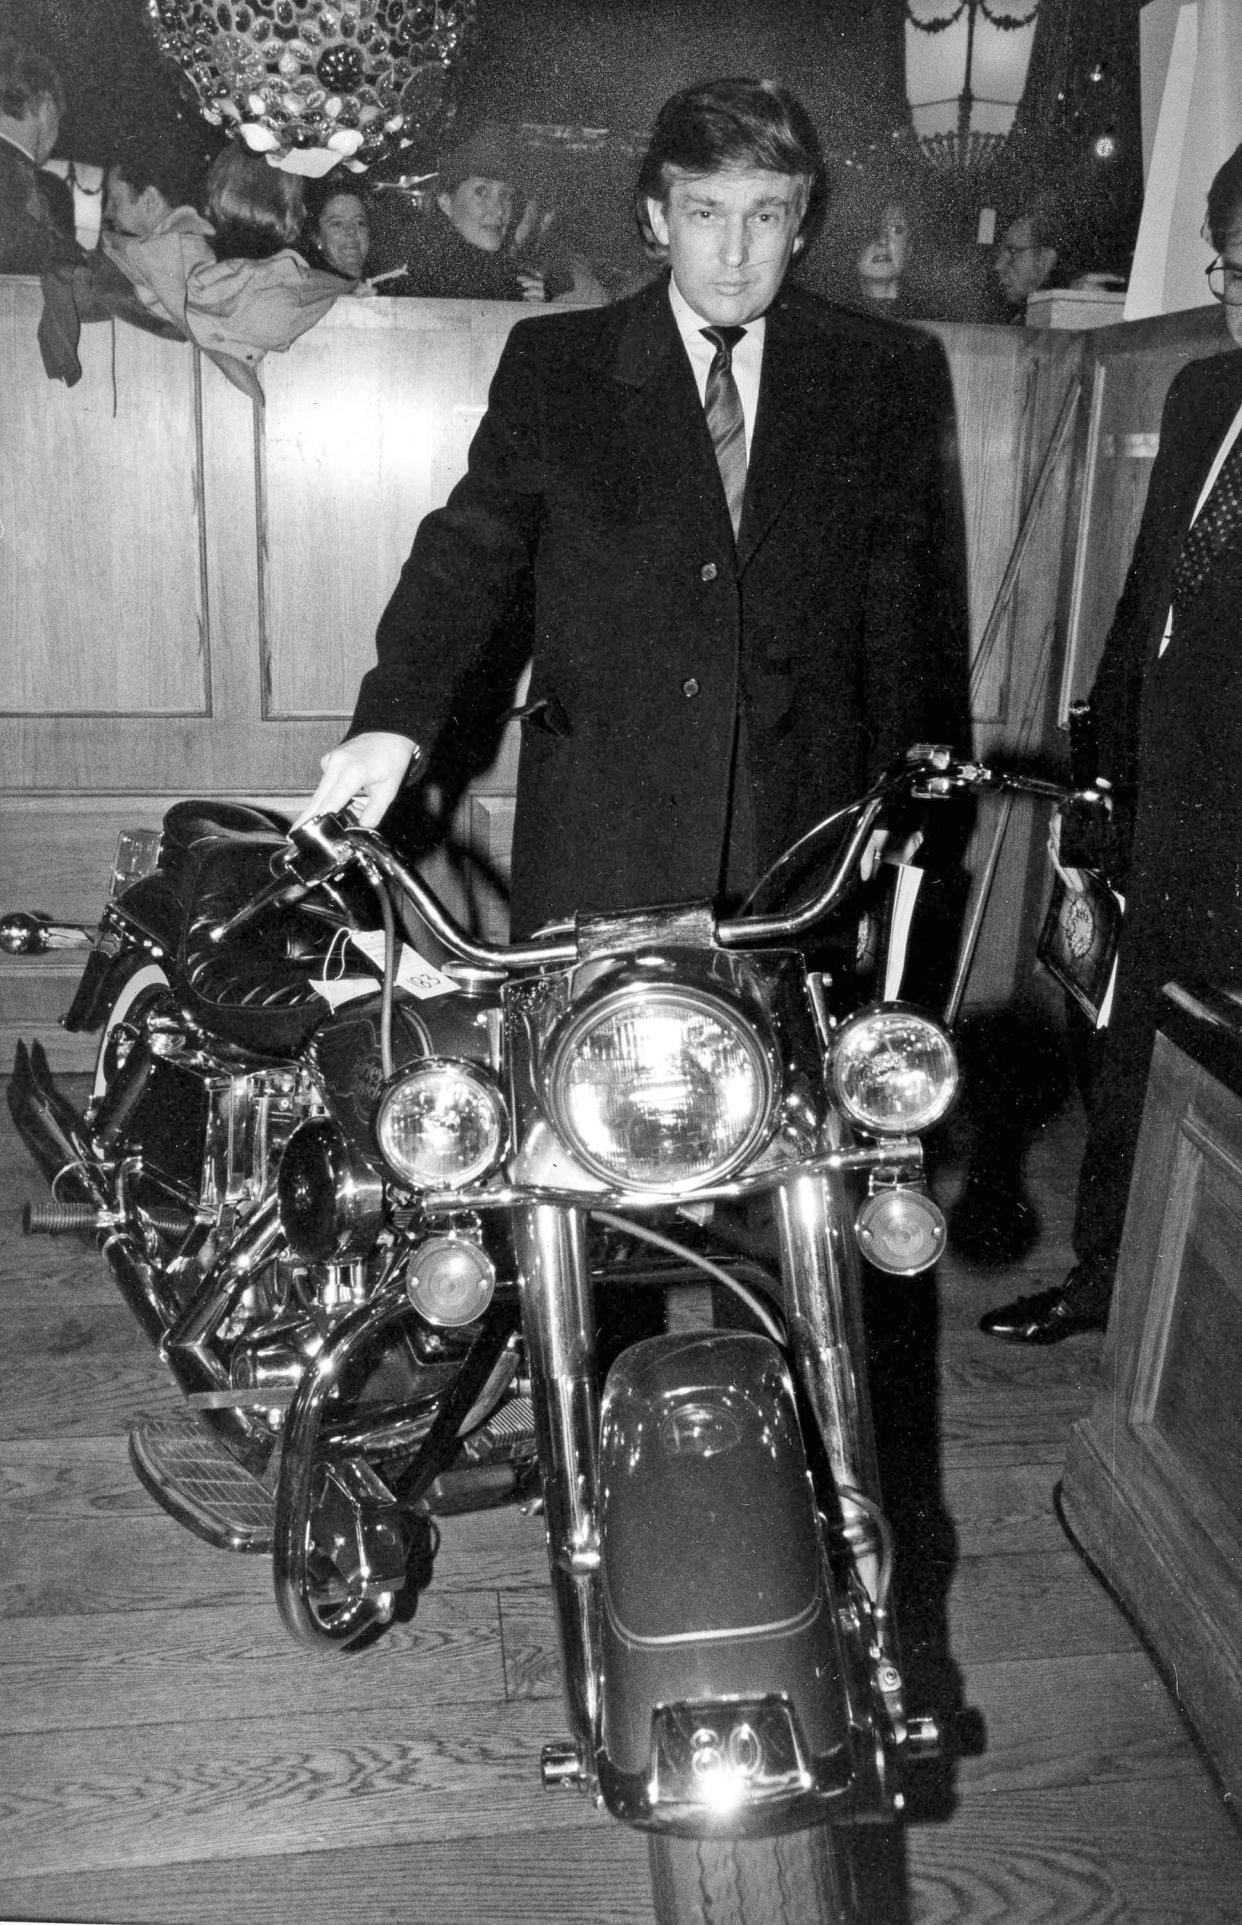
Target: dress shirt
(747,355)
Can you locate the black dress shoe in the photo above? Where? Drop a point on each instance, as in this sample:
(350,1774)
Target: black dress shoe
(1047,1317)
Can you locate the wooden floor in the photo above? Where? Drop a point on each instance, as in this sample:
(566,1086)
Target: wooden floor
(169,1755)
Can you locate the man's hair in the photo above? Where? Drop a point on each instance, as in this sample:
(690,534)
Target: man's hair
(722,125)
(1224,201)
(1049,222)
(161,164)
(255,209)
(26,78)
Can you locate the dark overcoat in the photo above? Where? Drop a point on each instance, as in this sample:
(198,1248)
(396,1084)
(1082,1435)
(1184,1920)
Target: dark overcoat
(592,480)
(1170,729)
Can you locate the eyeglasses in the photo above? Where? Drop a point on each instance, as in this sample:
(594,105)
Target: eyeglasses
(1005,250)
(1224,278)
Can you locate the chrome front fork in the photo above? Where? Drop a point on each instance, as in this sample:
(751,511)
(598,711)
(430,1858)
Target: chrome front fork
(823,1305)
(558,1316)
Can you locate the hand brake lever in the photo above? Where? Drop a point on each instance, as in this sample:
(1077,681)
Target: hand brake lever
(316,851)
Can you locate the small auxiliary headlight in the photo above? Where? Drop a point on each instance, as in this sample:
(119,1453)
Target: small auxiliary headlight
(441,1124)
(894,1070)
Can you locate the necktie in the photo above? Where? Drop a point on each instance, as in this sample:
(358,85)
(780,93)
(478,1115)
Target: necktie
(1214,528)
(725,421)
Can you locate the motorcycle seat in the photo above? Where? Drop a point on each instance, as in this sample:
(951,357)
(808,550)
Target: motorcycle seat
(255,989)
(187,824)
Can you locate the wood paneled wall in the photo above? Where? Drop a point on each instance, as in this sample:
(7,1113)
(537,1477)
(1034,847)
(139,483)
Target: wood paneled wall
(189,585)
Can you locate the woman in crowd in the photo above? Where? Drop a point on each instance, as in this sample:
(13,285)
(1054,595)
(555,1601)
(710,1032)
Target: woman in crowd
(463,248)
(338,227)
(882,260)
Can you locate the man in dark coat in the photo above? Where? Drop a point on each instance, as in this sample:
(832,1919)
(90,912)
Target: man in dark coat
(726,644)
(1168,705)
(36,214)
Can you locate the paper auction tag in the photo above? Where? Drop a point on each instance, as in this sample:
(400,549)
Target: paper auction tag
(414,973)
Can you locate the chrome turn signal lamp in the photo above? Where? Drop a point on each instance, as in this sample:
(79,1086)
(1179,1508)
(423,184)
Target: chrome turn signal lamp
(451,1280)
(661,1085)
(894,1070)
(900,1230)
(442,1124)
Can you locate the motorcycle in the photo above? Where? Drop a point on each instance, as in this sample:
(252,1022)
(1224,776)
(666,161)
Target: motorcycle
(420,1222)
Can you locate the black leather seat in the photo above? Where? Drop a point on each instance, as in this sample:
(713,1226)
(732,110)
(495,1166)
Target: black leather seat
(256,987)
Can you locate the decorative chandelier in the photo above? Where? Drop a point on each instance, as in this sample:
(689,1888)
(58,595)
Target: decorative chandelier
(314,83)
(966,67)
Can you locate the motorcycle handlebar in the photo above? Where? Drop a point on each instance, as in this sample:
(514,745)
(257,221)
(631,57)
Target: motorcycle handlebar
(324,846)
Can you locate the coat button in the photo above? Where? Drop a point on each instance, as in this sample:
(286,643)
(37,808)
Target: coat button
(690,688)
(708,572)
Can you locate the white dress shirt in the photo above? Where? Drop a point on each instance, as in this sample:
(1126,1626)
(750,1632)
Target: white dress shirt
(747,356)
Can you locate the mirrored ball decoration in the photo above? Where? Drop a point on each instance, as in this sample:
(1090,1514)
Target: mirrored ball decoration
(314,83)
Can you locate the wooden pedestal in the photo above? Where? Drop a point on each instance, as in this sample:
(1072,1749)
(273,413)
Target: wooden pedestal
(1152,1487)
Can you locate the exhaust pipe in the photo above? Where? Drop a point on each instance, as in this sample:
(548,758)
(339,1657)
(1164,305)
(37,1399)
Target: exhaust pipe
(52,1130)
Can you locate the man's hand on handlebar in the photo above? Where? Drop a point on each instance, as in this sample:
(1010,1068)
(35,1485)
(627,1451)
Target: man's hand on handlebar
(367,771)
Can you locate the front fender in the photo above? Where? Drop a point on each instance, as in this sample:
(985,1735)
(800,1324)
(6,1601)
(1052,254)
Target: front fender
(713,1583)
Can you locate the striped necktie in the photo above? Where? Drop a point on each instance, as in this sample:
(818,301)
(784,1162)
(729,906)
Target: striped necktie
(1214,528)
(725,420)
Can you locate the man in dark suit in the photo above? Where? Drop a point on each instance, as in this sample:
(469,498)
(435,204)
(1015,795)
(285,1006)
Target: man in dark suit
(726,501)
(36,213)
(1168,705)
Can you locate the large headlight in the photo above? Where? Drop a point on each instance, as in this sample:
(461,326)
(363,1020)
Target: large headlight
(441,1124)
(660,1086)
(894,1071)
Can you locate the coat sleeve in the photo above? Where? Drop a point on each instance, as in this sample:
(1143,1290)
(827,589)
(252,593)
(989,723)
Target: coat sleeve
(246,308)
(469,564)
(1133,636)
(915,620)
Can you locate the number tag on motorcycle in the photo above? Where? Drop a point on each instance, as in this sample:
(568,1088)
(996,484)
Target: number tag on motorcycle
(414,973)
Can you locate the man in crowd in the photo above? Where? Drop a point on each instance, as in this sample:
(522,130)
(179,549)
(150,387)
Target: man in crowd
(36,211)
(725,501)
(1027,256)
(1168,707)
(153,230)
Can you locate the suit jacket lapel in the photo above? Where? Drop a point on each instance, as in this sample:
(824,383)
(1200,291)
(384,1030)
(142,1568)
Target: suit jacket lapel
(663,418)
(1207,431)
(784,428)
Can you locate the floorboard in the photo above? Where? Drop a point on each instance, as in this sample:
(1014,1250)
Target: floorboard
(169,1757)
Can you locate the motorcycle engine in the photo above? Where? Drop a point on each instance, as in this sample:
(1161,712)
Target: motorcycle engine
(206,1136)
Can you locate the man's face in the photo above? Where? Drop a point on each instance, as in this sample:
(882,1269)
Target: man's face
(730,237)
(1231,255)
(344,235)
(481,211)
(126,212)
(1020,265)
(45,128)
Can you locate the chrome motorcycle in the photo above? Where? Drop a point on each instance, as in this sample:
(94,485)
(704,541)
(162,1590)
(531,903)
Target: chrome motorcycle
(421,1222)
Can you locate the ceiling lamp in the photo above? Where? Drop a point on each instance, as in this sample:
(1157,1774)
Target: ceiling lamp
(966,67)
(311,83)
